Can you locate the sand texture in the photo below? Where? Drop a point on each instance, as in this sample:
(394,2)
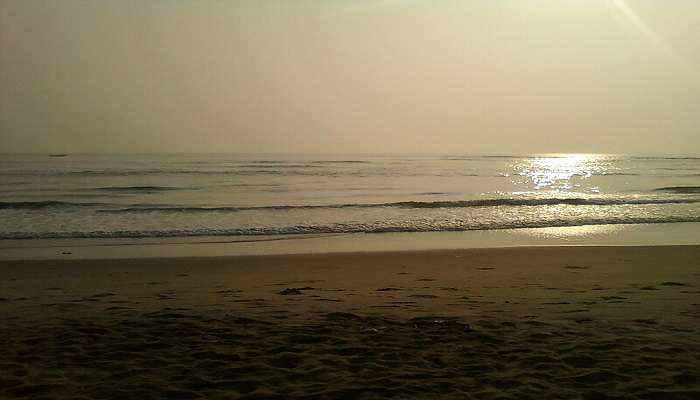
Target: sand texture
(519,323)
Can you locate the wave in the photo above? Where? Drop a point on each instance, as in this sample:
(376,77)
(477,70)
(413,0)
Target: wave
(136,189)
(298,163)
(31,205)
(536,202)
(581,174)
(246,170)
(667,158)
(512,202)
(340,162)
(486,157)
(344,228)
(416,204)
(277,166)
(147,172)
(680,189)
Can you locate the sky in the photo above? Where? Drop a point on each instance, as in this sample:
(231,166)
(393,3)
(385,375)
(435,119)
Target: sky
(352,76)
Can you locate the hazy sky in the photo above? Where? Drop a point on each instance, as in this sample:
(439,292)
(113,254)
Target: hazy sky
(472,76)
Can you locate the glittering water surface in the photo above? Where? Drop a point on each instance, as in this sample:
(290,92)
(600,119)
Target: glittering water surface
(44,196)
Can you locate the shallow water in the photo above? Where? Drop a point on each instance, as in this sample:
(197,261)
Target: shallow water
(118,195)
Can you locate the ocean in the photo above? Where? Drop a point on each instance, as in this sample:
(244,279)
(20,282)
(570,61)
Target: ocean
(195,195)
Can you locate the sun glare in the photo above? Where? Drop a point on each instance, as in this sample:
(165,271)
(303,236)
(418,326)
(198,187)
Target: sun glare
(623,8)
(558,171)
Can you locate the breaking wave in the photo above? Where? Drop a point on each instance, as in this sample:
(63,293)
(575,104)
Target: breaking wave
(30,205)
(680,189)
(512,202)
(136,189)
(418,204)
(345,228)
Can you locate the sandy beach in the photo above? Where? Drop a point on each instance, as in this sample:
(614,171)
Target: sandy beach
(509,323)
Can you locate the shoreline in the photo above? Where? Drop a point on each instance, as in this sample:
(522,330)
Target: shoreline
(338,254)
(590,235)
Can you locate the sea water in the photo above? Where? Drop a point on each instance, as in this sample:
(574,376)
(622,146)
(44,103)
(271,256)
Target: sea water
(190,195)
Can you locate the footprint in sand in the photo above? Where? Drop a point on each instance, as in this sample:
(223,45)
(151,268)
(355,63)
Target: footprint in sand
(169,295)
(295,291)
(229,292)
(613,298)
(117,308)
(101,295)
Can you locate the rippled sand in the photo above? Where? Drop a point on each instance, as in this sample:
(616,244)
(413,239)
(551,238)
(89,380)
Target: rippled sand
(592,323)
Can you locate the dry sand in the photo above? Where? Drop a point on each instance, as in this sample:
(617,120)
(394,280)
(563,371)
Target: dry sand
(518,323)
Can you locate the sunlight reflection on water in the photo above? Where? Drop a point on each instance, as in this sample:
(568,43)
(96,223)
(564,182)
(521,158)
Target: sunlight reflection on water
(572,232)
(558,171)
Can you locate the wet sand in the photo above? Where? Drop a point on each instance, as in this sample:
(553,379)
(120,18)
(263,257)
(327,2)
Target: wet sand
(509,323)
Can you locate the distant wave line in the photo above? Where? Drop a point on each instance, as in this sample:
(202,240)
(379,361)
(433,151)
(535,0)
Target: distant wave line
(315,171)
(418,204)
(680,189)
(137,188)
(574,201)
(21,205)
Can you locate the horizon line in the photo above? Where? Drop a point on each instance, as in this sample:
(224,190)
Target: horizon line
(489,154)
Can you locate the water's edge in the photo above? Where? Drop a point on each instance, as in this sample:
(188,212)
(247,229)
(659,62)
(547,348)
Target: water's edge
(592,235)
